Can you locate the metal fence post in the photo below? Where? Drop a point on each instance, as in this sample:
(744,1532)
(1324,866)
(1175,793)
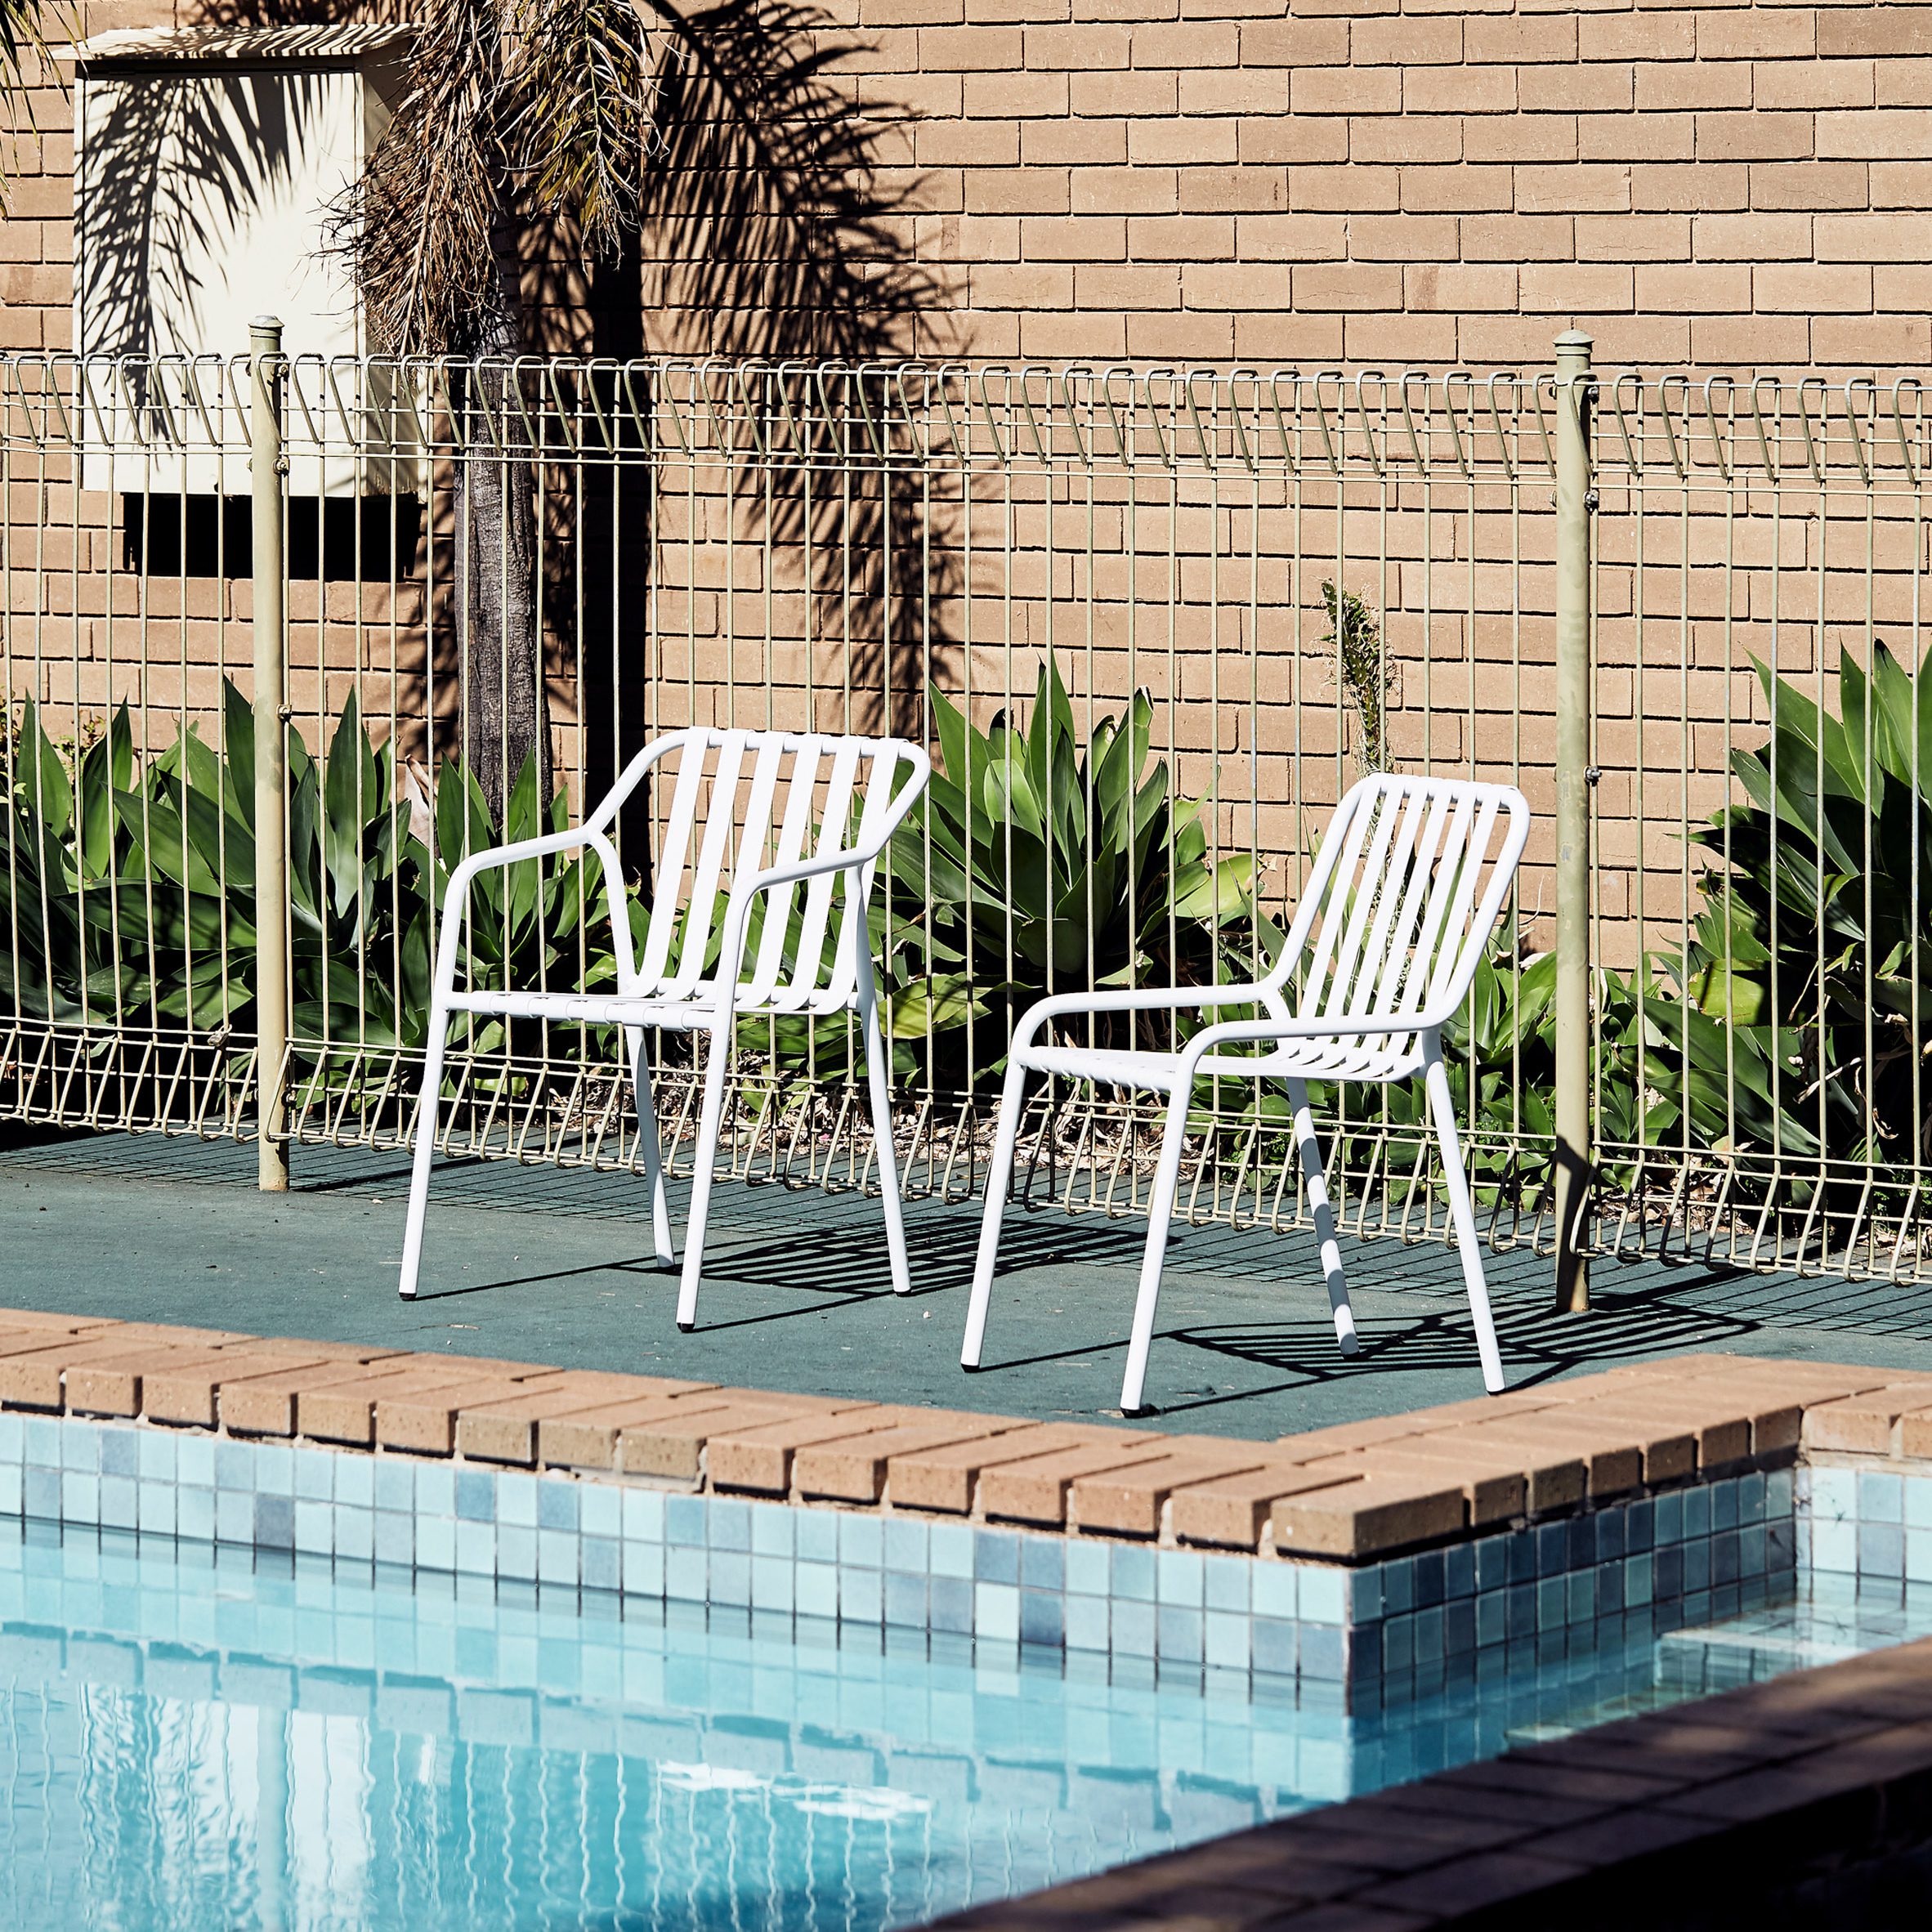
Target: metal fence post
(1576,502)
(268,468)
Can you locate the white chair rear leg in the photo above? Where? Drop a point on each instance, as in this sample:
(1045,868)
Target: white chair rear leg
(1160,1212)
(1463,1209)
(428,1108)
(653,1150)
(1006,1132)
(1323,1215)
(879,1085)
(715,1068)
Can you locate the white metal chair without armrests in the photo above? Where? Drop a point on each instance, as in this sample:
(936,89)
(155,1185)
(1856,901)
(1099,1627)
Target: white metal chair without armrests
(1406,892)
(733,794)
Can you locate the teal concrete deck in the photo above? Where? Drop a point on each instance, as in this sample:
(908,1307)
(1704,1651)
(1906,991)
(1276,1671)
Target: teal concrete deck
(538,1264)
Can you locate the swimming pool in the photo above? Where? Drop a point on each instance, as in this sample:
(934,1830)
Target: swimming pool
(193,1734)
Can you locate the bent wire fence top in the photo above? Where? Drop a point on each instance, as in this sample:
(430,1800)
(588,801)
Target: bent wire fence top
(1307,573)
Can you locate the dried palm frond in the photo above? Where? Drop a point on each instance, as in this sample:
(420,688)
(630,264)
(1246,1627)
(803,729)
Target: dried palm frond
(777,232)
(580,120)
(421,226)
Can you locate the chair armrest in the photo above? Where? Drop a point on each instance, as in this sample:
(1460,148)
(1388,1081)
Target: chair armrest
(577,838)
(1139,1000)
(520,849)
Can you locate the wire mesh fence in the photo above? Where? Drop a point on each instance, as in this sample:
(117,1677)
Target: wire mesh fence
(1151,624)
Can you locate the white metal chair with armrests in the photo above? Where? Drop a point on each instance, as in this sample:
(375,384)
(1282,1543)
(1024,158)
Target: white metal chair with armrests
(1406,892)
(734,797)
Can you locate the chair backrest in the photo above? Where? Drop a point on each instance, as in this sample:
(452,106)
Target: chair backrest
(731,804)
(1406,890)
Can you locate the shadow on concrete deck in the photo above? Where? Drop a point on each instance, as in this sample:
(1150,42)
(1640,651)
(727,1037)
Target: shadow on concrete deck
(542,1265)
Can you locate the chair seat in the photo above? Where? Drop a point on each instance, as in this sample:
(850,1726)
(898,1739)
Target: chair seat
(697,1008)
(1332,1057)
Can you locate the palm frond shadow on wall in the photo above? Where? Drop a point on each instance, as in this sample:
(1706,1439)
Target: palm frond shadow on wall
(708,180)
(776,222)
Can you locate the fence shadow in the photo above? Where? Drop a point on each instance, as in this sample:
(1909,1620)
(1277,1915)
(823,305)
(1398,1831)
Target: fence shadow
(1537,1343)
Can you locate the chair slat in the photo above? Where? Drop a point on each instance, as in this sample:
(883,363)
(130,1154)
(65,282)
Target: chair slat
(667,875)
(1387,889)
(1327,901)
(720,826)
(1359,889)
(1466,933)
(813,919)
(770,963)
(843,977)
(1404,942)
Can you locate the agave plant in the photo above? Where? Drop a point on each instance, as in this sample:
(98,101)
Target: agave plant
(536,924)
(113,911)
(130,890)
(1035,865)
(1501,1063)
(1808,979)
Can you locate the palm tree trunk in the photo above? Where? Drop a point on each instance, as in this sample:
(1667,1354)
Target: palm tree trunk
(506,703)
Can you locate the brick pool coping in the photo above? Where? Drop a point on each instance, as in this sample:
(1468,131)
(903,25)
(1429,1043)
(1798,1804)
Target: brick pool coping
(1349,1493)
(1706,1814)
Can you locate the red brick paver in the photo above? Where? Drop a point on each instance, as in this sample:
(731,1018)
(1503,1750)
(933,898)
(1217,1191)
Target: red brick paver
(1344,1495)
(190,1391)
(346,1411)
(506,1430)
(1232,1512)
(1375,1512)
(1130,1499)
(1035,1490)
(948,1479)
(855,1468)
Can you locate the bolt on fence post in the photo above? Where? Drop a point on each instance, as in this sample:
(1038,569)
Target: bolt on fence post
(267,484)
(1575,707)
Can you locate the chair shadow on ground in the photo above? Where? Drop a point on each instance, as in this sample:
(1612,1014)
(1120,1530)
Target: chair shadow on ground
(826,1267)
(1412,1329)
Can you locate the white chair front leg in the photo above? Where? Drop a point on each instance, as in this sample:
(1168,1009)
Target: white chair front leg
(428,1108)
(879,1085)
(1317,1183)
(1167,1173)
(652,1148)
(724,1034)
(1006,1132)
(1462,1210)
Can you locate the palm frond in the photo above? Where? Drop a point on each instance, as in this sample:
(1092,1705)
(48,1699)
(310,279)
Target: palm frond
(581,121)
(27,29)
(421,226)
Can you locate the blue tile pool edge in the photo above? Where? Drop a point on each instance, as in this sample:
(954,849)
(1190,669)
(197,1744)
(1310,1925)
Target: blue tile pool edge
(1379,1634)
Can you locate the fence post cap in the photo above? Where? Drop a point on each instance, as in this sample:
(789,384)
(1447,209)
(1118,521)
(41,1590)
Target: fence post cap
(1576,341)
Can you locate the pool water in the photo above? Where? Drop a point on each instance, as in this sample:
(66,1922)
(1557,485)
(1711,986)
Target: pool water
(197,1737)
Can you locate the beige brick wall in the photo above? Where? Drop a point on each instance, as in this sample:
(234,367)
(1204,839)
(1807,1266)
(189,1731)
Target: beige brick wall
(1357,180)
(1365,181)
(1740,186)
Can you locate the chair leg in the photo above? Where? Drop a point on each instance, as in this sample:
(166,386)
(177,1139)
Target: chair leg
(1317,1183)
(879,1085)
(1006,1131)
(428,1108)
(715,1068)
(653,1153)
(1159,1213)
(1436,1078)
